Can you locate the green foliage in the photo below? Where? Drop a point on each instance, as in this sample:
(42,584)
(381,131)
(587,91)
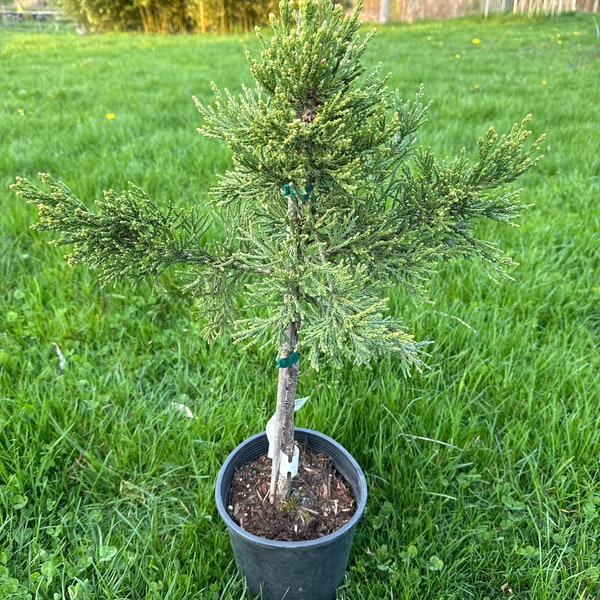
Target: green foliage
(168,16)
(446,199)
(323,211)
(129,237)
(103,15)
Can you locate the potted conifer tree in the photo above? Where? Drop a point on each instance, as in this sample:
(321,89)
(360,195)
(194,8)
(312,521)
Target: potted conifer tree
(328,204)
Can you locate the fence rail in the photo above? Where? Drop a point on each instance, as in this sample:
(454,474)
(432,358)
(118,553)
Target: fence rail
(31,15)
(412,10)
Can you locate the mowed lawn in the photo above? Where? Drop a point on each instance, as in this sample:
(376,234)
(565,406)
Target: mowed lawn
(484,470)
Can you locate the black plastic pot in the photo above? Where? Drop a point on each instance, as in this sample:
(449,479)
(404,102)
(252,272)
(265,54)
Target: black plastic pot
(309,570)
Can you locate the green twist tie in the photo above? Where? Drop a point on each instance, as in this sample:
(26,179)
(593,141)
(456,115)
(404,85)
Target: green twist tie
(284,363)
(288,191)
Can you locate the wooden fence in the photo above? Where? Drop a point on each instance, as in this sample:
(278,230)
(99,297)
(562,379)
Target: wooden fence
(411,10)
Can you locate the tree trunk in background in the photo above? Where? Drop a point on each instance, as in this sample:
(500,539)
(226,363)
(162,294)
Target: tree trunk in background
(384,11)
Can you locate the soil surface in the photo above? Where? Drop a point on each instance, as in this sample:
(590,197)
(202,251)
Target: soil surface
(320,502)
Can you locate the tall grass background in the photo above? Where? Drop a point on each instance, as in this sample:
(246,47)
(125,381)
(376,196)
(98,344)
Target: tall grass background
(115,415)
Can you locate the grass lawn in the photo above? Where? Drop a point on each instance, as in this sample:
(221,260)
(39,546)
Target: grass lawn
(484,471)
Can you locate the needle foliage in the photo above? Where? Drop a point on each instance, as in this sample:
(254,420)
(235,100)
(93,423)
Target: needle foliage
(328,205)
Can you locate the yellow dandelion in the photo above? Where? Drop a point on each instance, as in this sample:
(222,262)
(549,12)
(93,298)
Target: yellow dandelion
(475,41)
(429,38)
(476,86)
(560,41)
(576,33)
(110,116)
(21,111)
(457,55)
(544,82)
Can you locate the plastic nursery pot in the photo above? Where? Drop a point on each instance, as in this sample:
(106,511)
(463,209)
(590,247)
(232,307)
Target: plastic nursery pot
(310,570)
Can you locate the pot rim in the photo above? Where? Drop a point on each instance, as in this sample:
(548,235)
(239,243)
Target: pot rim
(361,501)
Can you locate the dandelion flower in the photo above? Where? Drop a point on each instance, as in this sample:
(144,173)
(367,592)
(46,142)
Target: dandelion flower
(457,55)
(476,41)
(110,116)
(21,111)
(476,86)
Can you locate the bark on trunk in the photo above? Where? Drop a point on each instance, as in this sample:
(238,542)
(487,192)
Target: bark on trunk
(286,397)
(284,420)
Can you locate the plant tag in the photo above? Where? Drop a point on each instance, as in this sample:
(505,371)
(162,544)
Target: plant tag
(285,466)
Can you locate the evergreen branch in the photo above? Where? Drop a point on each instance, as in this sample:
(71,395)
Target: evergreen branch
(318,59)
(445,200)
(217,291)
(348,321)
(503,159)
(339,319)
(127,238)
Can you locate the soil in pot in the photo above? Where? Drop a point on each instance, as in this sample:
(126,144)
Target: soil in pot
(320,503)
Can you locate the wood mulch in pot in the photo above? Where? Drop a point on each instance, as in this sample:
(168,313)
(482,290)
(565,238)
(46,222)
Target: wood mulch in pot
(320,503)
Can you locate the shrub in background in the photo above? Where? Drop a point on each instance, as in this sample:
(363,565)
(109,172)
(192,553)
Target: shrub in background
(168,16)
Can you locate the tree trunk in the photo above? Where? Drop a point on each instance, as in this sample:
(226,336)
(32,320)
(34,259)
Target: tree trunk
(283,441)
(384,11)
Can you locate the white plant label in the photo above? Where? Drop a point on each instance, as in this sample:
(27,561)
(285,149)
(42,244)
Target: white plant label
(285,466)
